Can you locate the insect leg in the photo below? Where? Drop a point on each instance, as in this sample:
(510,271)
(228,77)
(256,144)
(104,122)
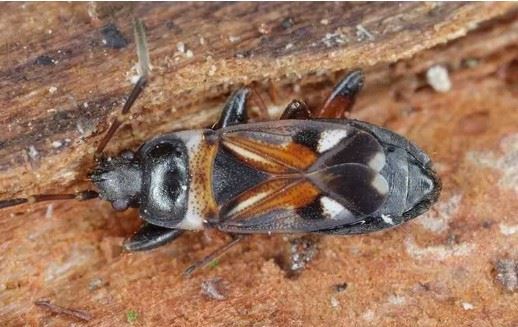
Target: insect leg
(149,237)
(296,110)
(80,196)
(272,92)
(143,68)
(213,256)
(234,112)
(341,100)
(259,102)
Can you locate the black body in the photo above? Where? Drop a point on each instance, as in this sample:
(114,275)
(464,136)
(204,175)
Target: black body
(160,178)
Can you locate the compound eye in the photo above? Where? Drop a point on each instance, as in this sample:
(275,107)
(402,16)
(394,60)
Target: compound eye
(120,204)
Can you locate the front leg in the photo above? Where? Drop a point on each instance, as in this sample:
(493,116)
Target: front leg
(234,111)
(149,237)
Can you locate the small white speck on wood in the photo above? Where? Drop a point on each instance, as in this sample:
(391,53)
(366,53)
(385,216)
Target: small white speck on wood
(212,70)
(33,153)
(334,302)
(368,315)
(438,78)
(212,289)
(396,299)
(363,34)
(180,46)
(57,144)
(234,39)
(50,211)
(467,306)
(507,274)
(508,229)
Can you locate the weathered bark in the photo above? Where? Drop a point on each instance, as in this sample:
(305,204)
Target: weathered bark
(60,85)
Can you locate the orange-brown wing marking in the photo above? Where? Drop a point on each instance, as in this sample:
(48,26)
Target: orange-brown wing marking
(275,158)
(280,193)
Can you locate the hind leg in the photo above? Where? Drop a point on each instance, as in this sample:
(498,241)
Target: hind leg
(341,100)
(236,238)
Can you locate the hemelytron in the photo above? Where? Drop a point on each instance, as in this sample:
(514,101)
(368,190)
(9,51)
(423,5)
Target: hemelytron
(312,171)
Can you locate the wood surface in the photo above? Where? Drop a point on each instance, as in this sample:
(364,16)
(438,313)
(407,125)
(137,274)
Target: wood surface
(64,73)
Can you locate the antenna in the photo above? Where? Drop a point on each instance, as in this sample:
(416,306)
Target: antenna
(80,196)
(143,69)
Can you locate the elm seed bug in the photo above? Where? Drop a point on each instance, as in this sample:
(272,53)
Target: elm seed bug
(312,171)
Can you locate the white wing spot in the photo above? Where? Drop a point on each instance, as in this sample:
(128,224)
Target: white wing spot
(330,138)
(330,207)
(377,162)
(380,184)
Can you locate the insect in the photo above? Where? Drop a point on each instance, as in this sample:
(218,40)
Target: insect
(312,171)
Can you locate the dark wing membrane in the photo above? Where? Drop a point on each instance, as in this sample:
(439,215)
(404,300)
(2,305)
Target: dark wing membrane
(324,199)
(359,188)
(318,176)
(358,147)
